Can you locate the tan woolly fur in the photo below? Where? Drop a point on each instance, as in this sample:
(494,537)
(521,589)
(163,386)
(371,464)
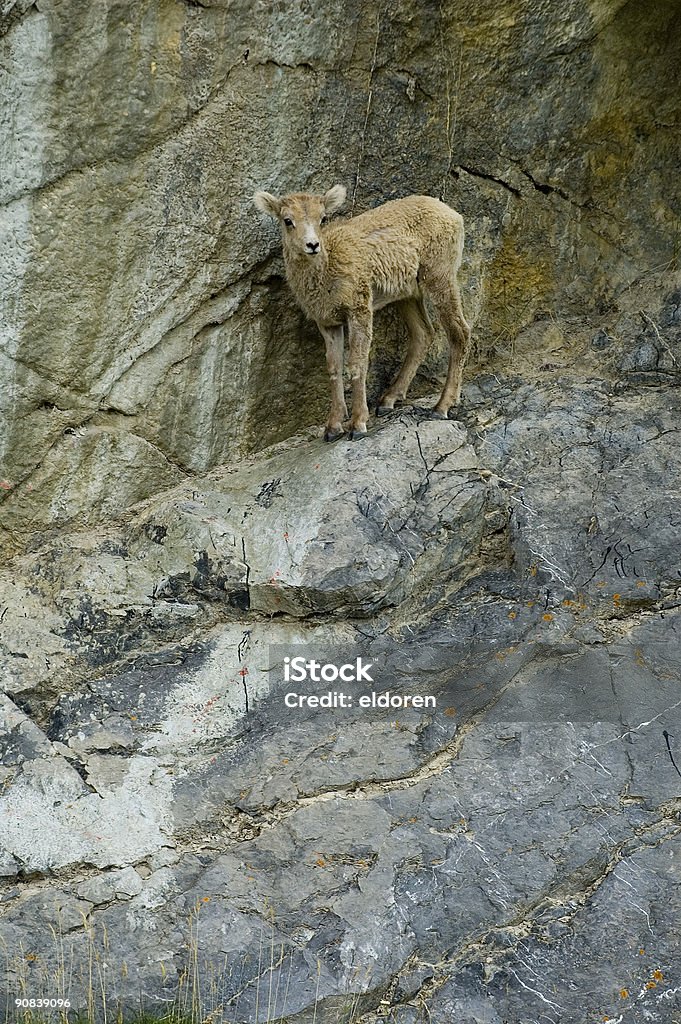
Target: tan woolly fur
(341,272)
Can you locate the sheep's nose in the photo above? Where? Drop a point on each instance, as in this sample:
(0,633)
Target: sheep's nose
(312,247)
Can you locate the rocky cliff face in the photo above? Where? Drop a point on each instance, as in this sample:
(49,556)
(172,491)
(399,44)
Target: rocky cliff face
(171,832)
(172,827)
(146,330)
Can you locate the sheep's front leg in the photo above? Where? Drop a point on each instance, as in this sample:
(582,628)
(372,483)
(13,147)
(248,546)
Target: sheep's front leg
(333,336)
(359,332)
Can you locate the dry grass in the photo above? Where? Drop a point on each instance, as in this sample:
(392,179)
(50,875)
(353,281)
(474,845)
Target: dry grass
(89,983)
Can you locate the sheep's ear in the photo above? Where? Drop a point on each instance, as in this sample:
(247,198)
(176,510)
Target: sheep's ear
(334,199)
(267,203)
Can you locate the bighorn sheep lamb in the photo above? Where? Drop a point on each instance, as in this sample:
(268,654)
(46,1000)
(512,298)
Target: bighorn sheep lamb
(341,272)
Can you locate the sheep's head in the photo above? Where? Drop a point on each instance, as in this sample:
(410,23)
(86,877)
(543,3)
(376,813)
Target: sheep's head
(301,216)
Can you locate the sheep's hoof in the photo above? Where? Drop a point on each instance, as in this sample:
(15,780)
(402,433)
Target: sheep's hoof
(357,435)
(435,414)
(333,435)
(384,410)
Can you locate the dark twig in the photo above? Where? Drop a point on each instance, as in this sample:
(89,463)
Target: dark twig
(669,748)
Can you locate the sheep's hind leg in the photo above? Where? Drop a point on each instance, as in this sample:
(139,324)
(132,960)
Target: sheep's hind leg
(333,336)
(420,335)
(448,304)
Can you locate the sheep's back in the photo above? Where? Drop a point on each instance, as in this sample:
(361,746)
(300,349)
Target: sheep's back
(419,216)
(389,243)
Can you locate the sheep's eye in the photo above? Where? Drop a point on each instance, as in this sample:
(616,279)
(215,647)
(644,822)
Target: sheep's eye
(288,222)
(324,220)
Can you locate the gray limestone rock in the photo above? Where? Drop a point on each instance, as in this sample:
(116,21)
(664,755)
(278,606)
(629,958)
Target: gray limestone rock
(448,863)
(325,529)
